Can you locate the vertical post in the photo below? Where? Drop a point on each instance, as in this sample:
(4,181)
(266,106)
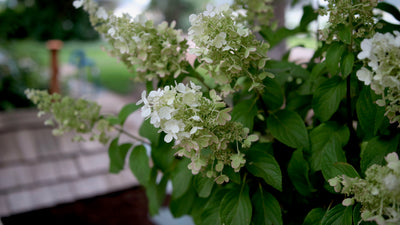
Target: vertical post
(54,46)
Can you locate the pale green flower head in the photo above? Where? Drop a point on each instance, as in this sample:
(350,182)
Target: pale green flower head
(378,193)
(155,52)
(68,114)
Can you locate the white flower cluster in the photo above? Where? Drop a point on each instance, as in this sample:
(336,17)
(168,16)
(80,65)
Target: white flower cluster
(378,193)
(226,44)
(382,54)
(197,124)
(153,51)
(164,107)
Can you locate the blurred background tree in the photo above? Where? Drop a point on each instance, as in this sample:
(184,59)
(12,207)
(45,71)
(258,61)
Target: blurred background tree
(45,19)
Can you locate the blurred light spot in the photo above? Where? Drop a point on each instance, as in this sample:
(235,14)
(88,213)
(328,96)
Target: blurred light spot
(133,8)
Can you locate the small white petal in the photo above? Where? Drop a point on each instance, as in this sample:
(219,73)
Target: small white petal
(77,3)
(366,46)
(165,112)
(101,13)
(194,129)
(364,75)
(181,88)
(146,111)
(168,138)
(196,118)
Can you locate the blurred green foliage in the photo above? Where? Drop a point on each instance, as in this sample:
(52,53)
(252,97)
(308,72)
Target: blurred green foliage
(16,75)
(43,20)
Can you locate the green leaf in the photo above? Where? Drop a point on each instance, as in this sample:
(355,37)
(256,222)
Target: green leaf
(346,169)
(203,185)
(327,98)
(155,192)
(387,27)
(115,162)
(163,155)
(288,127)
(376,150)
(314,217)
(390,9)
(344,33)
(244,112)
(117,154)
(126,111)
(273,94)
(283,70)
(198,209)
(236,208)
(316,79)
(309,15)
(298,170)
(150,132)
(233,176)
(263,165)
(151,193)
(357,215)
(113,120)
(263,147)
(275,37)
(183,205)
(210,214)
(266,209)
(333,57)
(332,154)
(181,178)
(347,64)
(338,215)
(322,138)
(370,115)
(139,164)
(299,103)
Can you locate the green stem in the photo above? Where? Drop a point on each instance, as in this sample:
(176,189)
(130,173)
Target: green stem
(352,148)
(348,84)
(130,135)
(244,182)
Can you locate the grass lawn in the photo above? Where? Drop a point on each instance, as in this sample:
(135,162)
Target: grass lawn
(113,74)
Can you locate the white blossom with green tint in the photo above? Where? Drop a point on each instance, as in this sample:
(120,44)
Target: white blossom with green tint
(382,55)
(378,193)
(200,127)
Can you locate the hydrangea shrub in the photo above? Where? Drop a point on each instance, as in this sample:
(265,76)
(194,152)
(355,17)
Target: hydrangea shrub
(249,140)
